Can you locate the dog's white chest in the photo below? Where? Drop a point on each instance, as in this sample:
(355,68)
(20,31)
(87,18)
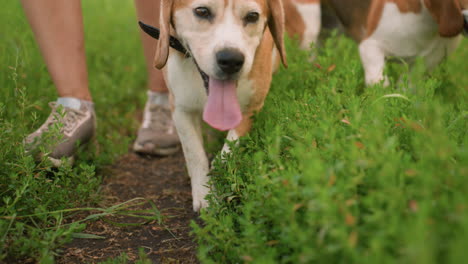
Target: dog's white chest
(185,83)
(410,34)
(245,90)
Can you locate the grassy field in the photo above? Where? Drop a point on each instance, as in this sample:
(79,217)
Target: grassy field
(333,172)
(32,221)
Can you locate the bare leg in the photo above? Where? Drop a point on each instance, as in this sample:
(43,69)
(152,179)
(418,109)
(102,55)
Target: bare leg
(58,27)
(148,12)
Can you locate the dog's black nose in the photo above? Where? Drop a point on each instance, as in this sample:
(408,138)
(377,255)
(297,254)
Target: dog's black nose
(230,61)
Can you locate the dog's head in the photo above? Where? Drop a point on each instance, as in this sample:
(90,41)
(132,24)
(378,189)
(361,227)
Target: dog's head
(451,15)
(222,35)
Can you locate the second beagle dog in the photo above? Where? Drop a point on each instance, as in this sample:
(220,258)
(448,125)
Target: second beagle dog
(405,28)
(226,74)
(402,28)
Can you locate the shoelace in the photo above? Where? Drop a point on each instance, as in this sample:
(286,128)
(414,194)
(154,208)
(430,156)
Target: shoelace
(159,117)
(69,118)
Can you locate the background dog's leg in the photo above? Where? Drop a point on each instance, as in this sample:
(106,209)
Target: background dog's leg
(373,61)
(310,12)
(189,129)
(445,47)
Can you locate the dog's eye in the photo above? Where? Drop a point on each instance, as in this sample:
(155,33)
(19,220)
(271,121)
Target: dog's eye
(251,17)
(202,12)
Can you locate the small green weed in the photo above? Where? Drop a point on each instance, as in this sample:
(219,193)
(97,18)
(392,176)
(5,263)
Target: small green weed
(124,259)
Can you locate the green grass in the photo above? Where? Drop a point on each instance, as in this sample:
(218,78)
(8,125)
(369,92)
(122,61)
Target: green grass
(332,172)
(117,82)
(124,259)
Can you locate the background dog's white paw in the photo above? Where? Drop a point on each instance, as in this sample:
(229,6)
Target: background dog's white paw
(198,194)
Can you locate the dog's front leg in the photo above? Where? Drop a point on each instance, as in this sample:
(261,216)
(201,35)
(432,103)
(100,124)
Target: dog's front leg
(373,61)
(241,130)
(189,129)
(231,136)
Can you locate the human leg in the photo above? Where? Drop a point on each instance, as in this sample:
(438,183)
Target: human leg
(157,134)
(148,12)
(58,28)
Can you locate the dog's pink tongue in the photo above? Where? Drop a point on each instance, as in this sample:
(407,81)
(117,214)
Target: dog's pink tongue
(222,110)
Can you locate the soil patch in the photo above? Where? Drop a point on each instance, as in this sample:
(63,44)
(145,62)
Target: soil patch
(165,182)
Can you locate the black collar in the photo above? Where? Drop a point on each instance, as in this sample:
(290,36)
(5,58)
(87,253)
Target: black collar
(177,45)
(173,42)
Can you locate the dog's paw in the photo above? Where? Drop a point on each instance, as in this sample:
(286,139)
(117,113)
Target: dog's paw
(198,194)
(386,81)
(199,204)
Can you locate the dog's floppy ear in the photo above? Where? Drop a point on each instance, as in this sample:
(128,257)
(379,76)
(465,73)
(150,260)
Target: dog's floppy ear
(276,25)
(162,49)
(448,15)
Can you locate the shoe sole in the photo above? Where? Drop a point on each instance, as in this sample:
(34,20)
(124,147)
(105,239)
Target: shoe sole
(57,163)
(157,151)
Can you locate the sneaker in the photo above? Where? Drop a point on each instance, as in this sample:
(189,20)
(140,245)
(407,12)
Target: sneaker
(77,127)
(157,135)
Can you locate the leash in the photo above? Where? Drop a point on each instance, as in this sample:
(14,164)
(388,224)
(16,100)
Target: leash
(177,45)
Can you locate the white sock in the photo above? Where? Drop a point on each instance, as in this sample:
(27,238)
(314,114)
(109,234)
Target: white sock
(157,98)
(74,103)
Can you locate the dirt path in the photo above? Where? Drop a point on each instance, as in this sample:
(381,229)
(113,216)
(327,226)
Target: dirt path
(165,182)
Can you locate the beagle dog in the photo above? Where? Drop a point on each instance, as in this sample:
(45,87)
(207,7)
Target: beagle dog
(402,28)
(232,49)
